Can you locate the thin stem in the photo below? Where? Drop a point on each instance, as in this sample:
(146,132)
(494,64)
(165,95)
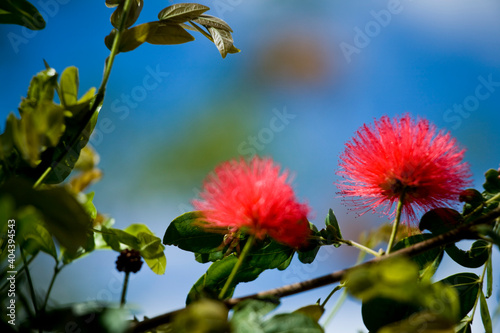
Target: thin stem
(236,267)
(361,247)
(481,280)
(30,282)
(99,97)
(395,224)
(337,288)
(478,208)
(57,269)
(124,290)
(42,177)
(19,271)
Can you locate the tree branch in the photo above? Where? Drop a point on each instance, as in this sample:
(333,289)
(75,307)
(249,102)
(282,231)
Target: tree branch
(467,231)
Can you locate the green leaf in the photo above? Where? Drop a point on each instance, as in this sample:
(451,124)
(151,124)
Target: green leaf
(272,255)
(63,157)
(440,220)
(420,322)
(464,326)
(132,38)
(157,265)
(208,257)
(425,259)
(291,323)
(133,15)
(248,315)
(212,282)
(331,220)
(150,247)
(22,13)
(68,86)
(379,312)
(202,316)
(212,21)
(33,236)
(182,12)
(313,311)
(64,217)
(485,314)
(87,317)
(474,258)
(472,199)
(467,285)
(489,277)
(492,183)
(187,232)
(169,34)
(308,257)
(115,237)
(222,40)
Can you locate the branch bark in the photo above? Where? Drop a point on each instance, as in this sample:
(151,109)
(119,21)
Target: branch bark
(467,231)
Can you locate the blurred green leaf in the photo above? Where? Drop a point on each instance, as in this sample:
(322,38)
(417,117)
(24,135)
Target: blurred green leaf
(489,277)
(150,247)
(169,34)
(207,257)
(22,13)
(64,217)
(212,21)
(292,323)
(485,313)
(474,258)
(421,322)
(203,316)
(380,311)
(397,279)
(472,199)
(187,232)
(68,86)
(83,317)
(464,326)
(182,12)
(33,235)
(313,311)
(467,286)
(425,259)
(249,315)
(492,183)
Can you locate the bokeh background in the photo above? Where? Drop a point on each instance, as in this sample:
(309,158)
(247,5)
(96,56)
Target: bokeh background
(309,74)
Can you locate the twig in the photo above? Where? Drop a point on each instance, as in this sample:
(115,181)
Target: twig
(463,232)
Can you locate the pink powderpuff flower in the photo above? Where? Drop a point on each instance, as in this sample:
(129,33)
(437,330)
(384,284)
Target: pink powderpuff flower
(403,159)
(253,197)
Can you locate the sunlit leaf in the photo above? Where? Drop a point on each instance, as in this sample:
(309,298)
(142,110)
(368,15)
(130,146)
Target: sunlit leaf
(485,313)
(182,12)
(133,15)
(212,21)
(187,233)
(169,34)
(68,86)
(21,12)
(314,311)
(222,39)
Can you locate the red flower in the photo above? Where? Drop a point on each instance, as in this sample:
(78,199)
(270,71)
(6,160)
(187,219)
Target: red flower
(402,158)
(255,198)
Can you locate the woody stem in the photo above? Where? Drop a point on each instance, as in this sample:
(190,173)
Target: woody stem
(236,267)
(395,224)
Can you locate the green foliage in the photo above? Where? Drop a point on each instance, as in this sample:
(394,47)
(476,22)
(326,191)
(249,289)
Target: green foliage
(474,258)
(250,316)
(427,261)
(485,314)
(21,12)
(140,238)
(391,290)
(440,220)
(467,286)
(171,27)
(313,311)
(63,215)
(212,282)
(187,233)
(203,316)
(83,317)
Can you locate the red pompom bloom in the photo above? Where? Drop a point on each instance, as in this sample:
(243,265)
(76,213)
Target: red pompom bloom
(402,159)
(255,198)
